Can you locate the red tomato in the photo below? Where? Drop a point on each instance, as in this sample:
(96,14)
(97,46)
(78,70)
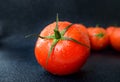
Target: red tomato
(109,31)
(82,27)
(115,39)
(98,38)
(69,53)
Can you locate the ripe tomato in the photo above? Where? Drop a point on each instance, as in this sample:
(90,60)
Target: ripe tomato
(64,51)
(115,39)
(109,31)
(82,27)
(98,38)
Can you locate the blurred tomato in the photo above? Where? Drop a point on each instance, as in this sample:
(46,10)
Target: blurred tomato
(98,38)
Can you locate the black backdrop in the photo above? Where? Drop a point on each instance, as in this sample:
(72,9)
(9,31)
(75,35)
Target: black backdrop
(21,17)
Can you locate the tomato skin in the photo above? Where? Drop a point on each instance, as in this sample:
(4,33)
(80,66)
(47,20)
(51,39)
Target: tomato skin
(82,27)
(96,42)
(109,31)
(115,39)
(67,57)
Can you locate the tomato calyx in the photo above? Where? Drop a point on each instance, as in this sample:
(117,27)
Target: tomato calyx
(58,35)
(97,25)
(56,31)
(100,35)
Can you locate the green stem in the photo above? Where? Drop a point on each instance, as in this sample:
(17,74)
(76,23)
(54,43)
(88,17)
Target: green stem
(57,34)
(56,31)
(97,25)
(57,19)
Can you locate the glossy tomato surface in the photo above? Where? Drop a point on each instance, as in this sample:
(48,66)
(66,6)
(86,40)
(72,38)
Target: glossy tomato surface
(67,57)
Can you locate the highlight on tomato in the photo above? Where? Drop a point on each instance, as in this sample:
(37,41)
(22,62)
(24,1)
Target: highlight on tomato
(62,48)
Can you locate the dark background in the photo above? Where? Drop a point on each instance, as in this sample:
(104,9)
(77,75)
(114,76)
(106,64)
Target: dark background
(21,17)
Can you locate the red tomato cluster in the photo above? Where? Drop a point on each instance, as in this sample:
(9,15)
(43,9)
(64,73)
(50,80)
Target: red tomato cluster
(63,48)
(100,37)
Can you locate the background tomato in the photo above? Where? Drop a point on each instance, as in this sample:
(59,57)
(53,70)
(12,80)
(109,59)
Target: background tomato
(67,56)
(115,39)
(98,38)
(109,31)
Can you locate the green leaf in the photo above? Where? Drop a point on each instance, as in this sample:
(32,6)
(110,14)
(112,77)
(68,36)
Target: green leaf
(71,39)
(46,37)
(55,41)
(65,29)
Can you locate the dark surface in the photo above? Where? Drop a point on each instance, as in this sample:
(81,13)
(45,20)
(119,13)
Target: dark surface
(21,17)
(19,65)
